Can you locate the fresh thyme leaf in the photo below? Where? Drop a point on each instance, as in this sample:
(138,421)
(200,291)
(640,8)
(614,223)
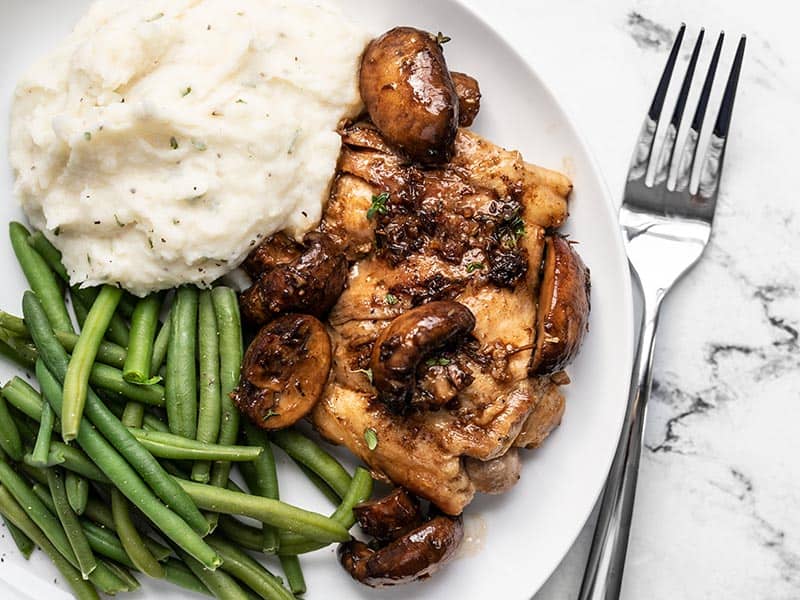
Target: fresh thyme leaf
(371,437)
(442,38)
(437,362)
(474,266)
(391,299)
(378,205)
(173,143)
(269,414)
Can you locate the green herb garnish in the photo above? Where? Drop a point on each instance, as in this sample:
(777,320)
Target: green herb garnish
(173,143)
(155,17)
(391,299)
(119,222)
(437,362)
(269,414)
(87,135)
(442,38)
(371,437)
(474,266)
(378,205)
(186,91)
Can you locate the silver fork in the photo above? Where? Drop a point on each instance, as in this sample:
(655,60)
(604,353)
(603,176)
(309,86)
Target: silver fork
(666,228)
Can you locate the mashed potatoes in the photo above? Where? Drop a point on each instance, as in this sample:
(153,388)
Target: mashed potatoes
(163,139)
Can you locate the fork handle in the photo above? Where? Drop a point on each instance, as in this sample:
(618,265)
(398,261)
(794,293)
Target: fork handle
(603,577)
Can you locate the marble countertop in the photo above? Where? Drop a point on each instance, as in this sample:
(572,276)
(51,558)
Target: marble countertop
(716,510)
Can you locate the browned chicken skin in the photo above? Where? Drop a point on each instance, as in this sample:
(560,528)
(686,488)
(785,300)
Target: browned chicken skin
(450,331)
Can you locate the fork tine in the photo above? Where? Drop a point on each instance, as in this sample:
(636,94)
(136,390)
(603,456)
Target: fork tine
(712,164)
(644,145)
(668,147)
(689,153)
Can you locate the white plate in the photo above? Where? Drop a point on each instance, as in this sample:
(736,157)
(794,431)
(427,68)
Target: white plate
(516,539)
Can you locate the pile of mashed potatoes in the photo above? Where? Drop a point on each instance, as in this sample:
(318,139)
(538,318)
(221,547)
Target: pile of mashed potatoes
(163,139)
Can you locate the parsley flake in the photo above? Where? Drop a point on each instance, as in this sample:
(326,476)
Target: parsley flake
(155,17)
(119,222)
(474,266)
(378,205)
(186,91)
(87,135)
(173,143)
(371,437)
(391,299)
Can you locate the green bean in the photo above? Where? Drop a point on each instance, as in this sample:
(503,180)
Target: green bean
(226,307)
(41,449)
(10,441)
(53,355)
(272,512)
(129,482)
(359,491)
(220,584)
(161,345)
(76,380)
(105,537)
(140,346)
(179,574)
(262,478)
(70,523)
(12,510)
(50,254)
(123,574)
(244,535)
(168,445)
(302,449)
(76,461)
(40,278)
(294,573)
(127,305)
(131,540)
(82,298)
(45,520)
(77,491)
(319,483)
(108,353)
(210,400)
(112,380)
(101,514)
(11,353)
(22,541)
(248,571)
(105,543)
(181,379)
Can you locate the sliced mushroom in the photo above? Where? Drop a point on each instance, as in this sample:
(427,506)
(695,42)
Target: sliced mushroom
(564,304)
(390,517)
(276,251)
(410,95)
(407,340)
(413,556)
(469,97)
(494,476)
(311,283)
(284,371)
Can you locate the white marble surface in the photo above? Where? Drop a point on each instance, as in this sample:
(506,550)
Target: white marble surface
(716,513)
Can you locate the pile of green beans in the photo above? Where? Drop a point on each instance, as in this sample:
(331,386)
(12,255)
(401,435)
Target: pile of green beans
(108,460)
